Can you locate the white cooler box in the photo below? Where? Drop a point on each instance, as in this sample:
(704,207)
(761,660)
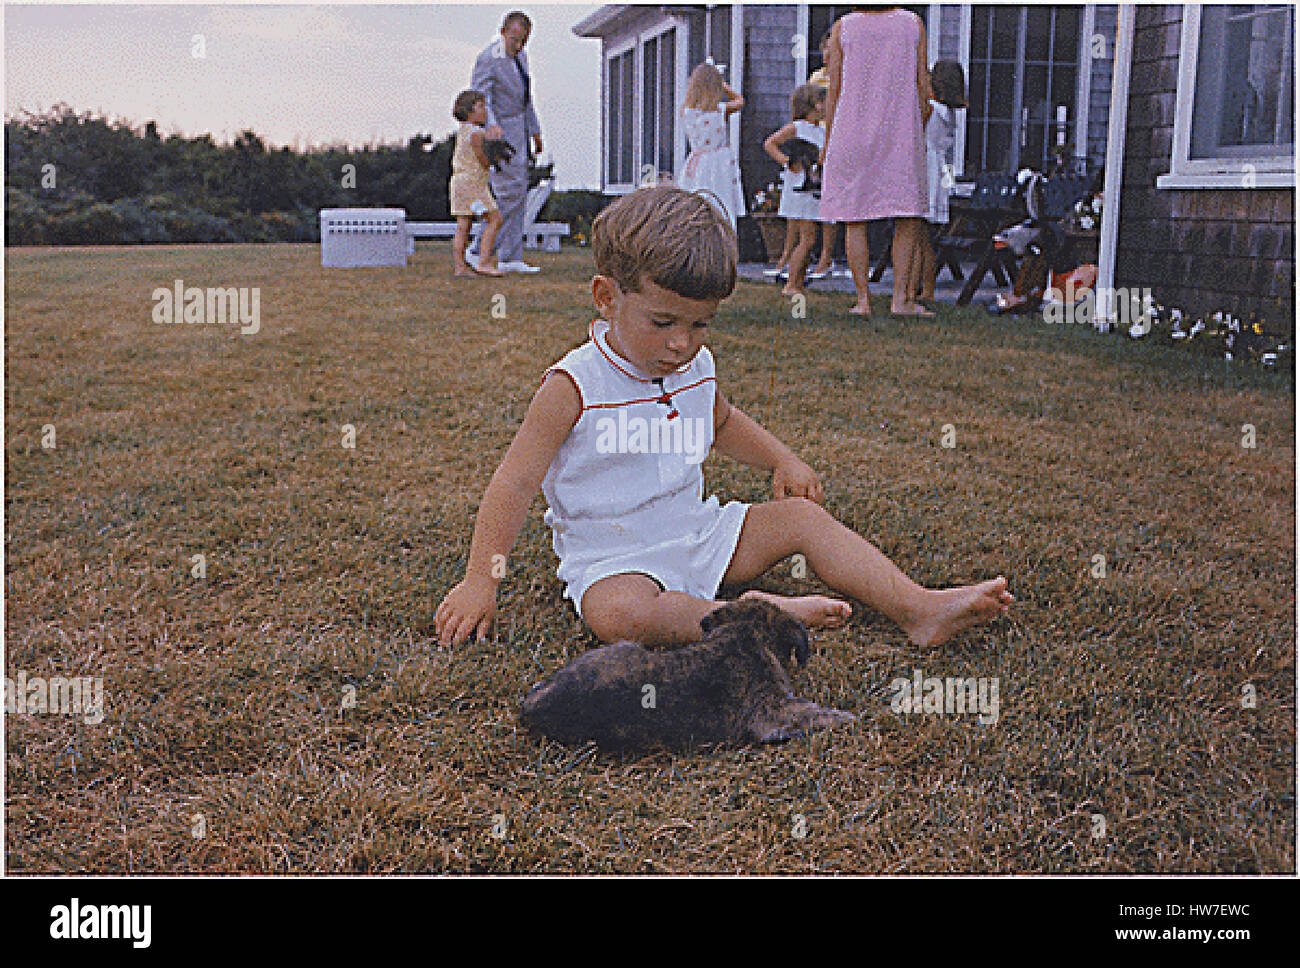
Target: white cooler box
(351,237)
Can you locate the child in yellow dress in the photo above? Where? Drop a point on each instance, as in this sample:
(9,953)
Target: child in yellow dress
(469,192)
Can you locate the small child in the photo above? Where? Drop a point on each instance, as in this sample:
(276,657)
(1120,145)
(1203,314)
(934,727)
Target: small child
(615,436)
(948,94)
(469,192)
(799,207)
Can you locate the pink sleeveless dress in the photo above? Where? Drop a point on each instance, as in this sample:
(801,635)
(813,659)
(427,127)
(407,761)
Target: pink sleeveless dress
(875,154)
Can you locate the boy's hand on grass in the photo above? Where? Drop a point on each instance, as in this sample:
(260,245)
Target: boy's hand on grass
(794,478)
(468,609)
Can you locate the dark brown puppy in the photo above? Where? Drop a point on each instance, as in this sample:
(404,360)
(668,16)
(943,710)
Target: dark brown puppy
(731,687)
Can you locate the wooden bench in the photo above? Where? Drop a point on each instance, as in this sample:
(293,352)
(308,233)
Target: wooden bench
(537,235)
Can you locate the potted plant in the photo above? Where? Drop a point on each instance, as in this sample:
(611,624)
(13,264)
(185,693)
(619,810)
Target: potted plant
(766,203)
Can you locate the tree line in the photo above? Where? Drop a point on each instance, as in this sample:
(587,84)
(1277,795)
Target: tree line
(84,179)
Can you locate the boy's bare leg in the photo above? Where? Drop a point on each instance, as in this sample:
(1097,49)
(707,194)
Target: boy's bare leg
(853,566)
(633,606)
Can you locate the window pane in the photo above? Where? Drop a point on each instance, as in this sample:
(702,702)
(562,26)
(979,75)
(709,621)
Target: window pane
(625,134)
(667,93)
(1245,65)
(615,121)
(1066,42)
(1038,33)
(997,152)
(978,90)
(720,39)
(979,32)
(1006,25)
(649,100)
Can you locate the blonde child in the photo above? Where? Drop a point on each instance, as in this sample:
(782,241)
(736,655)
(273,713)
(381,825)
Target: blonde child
(948,95)
(641,553)
(711,166)
(799,207)
(469,192)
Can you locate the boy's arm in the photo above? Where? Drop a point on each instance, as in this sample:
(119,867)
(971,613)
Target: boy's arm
(740,437)
(469,607)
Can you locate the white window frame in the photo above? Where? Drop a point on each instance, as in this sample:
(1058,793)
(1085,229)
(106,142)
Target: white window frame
(680,53)
(636,41)
(1264,171)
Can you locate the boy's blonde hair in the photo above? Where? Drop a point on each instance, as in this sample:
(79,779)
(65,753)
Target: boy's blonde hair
(805,98)
(674,238)
(705,88)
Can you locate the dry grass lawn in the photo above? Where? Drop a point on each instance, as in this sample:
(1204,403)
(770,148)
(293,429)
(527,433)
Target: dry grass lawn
(291,711)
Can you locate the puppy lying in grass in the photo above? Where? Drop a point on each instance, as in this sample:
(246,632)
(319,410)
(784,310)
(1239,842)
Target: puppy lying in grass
(731,687)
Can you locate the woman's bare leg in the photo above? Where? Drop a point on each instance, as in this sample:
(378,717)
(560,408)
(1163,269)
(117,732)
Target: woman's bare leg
(855,247)
(907,235)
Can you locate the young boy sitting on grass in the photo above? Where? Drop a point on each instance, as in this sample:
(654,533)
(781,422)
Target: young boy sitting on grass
(615,436)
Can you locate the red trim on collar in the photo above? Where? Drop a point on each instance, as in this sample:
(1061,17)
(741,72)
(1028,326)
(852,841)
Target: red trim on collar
(591,334)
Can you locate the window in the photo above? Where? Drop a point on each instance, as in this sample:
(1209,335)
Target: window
(1234,117)
(658,102)
(710,38)
(641,106)
(619,162)
(1024,63)
(822,16)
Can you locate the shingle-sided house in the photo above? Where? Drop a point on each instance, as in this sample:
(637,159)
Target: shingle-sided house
(1207,205)
(1039,79)
(1204,189)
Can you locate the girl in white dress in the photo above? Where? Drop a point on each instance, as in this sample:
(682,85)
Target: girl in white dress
(801,208)
(711,165)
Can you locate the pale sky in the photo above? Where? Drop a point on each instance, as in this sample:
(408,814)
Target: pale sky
(300,74)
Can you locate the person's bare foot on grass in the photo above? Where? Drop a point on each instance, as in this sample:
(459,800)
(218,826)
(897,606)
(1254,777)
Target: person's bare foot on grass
(861,308)
(948,611)
(794,291)
(910,309)
(488,270)
(815,611)
(464,273)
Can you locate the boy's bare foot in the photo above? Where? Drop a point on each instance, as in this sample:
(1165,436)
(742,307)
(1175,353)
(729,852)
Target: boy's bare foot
(815,611)
(861,309)
(948,611)
(794,291)
(488,270)
(467,271)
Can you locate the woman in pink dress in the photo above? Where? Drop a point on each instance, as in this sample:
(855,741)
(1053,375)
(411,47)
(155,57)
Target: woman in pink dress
(876,110)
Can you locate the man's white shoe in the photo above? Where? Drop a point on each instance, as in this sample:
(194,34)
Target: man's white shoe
(518,267)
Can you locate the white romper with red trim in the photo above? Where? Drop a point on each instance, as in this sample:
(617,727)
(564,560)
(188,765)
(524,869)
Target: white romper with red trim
(625,490)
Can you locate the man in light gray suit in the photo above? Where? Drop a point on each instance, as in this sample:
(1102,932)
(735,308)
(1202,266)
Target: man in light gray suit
(501,74)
